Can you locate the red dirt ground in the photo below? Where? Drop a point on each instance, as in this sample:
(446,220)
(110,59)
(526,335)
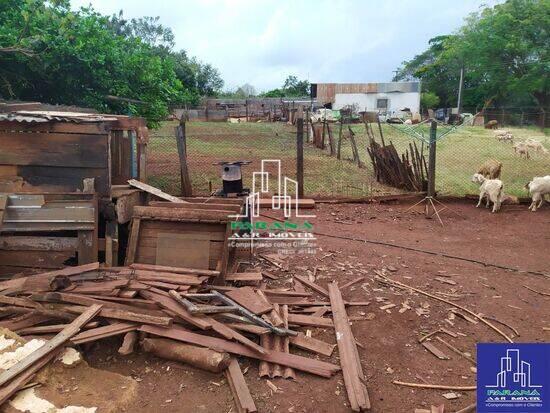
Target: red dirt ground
(514,237)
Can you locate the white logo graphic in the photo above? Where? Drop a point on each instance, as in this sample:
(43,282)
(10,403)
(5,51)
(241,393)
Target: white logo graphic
(284,189)
(513,370)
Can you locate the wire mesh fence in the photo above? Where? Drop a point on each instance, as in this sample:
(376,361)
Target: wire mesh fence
(350,174)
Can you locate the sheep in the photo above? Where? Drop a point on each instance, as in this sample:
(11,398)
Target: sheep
(492,124)
(490,188)
(522,149)
(536,145)
(538,188)
(490,169)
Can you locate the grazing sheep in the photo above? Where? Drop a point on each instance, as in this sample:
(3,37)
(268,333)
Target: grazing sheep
(522,149)
(536,145)
(505,136)
(492,124)
(490,188)
(538,188)
(490,169)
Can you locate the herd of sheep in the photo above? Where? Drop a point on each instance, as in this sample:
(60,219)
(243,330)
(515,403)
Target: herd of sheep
(492,188)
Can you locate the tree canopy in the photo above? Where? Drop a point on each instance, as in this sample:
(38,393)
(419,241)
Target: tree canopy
(51,54)
(505,54)
(292,87)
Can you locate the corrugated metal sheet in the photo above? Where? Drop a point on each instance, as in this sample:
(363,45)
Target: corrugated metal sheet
(46,116)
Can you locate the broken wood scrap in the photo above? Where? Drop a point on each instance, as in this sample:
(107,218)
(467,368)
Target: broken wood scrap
(128,343)
(307,365)
(410,288)
(244,277)
(199,357)
(134,316)
(456,350)
(352,282)
(538,292)
(435,351)
(352,370)
(312,344)
(311,321)
(312,285)
(243,400)
(50,346)
(246,297)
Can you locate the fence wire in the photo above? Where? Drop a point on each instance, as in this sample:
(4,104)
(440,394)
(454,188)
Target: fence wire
(326,175)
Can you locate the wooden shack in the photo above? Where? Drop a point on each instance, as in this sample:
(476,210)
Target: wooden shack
(66,159)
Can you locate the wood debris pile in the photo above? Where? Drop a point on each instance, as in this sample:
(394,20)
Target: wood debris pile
(177,313)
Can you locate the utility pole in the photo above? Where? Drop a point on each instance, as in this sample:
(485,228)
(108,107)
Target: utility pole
(460,89)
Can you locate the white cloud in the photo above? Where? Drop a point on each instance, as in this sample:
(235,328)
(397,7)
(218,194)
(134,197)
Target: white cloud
(262,41)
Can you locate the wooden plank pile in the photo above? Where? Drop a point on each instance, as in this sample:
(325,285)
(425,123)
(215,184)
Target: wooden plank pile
(169,306)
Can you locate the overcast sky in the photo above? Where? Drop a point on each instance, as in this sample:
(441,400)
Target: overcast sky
(262,41)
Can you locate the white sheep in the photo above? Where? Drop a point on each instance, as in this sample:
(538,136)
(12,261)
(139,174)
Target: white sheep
(522,149)
(507,137)
(536,145)
(538,188)
(490,188)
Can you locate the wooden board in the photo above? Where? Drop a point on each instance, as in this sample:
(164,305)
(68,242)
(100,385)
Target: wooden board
(243,400)
(354,378)
(154,191)
(246,297)
(183,250)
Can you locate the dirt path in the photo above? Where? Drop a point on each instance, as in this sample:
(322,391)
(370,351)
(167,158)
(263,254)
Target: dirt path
(515,238)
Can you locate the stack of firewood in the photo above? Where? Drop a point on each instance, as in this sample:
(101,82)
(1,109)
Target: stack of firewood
(408,171)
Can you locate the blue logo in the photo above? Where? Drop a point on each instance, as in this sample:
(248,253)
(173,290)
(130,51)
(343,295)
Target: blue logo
(513,378)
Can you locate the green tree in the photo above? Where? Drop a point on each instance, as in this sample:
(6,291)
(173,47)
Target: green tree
(504,50)
(292,87)
(52,54)
(429,100)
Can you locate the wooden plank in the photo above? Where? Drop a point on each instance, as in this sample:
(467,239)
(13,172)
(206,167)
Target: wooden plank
(177,270)
(312,344)
(244,276)
(307,365)
(87,247)
(103,332)
(135,316)
(230,208)
(312,285)
(154,191)
(354,378)
(168,303)
(243,400)
(133,241)
(302,203)
(246,297)
(54,149)
(307,320)
(435,351)
(51,345)
(31,243)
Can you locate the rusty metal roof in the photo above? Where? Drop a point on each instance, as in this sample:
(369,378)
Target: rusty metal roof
(36,116)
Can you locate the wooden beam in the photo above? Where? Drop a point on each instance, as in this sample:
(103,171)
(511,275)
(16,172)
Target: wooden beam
(243,400)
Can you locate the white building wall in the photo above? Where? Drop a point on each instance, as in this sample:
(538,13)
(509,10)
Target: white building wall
(367,101)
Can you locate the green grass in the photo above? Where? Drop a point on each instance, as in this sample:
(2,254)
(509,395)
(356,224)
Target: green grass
(459,155)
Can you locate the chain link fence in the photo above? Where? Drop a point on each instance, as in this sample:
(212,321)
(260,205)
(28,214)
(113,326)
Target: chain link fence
(349,175)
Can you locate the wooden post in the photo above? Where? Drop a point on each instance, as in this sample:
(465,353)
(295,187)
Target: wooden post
(181,138)
(246,108)
(431,159)
(380,129)
(307,125)
(300,154)
(339,152)
(543,120)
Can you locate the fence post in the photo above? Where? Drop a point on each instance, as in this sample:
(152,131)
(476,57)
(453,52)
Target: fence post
(431,159)
(300,153)
(543,120)
(181,139)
